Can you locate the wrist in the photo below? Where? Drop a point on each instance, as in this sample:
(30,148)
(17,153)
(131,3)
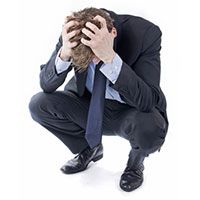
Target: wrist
(110,58)
(64,56)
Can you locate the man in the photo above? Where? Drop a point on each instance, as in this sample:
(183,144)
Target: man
(115,89)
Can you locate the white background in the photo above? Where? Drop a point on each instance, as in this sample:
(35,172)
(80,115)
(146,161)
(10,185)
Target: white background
(31,156)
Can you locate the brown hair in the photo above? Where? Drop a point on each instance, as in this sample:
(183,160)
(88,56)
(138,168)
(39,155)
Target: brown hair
(82,55)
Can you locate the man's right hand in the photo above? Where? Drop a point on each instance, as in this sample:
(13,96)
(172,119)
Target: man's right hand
(65,54)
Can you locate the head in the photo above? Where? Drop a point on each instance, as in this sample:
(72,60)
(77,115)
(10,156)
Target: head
(82,55)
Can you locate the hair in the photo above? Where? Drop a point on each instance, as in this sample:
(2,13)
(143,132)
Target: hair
(81,54)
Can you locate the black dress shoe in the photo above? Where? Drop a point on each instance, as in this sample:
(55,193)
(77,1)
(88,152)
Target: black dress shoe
(131,179)
(81,161)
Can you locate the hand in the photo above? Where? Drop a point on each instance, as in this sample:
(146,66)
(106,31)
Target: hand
(101,41)
(67,45)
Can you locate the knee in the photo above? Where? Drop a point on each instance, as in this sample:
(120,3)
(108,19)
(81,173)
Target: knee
(148,136)
(35,105)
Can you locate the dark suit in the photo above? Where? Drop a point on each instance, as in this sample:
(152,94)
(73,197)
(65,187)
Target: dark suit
(143,120)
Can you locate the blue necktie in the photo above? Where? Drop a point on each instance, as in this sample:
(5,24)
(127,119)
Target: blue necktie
(93,133)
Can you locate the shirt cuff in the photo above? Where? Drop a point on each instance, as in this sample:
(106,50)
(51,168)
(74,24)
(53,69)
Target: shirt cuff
(61,65)
(112,70)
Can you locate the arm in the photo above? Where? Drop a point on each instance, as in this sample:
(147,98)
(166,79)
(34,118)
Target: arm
(140,87)
(60,64)
(50,80)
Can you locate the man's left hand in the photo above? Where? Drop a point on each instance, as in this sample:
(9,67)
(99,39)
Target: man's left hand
(101,41)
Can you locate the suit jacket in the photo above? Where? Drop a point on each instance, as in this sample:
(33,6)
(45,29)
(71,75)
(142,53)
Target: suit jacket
(138,43)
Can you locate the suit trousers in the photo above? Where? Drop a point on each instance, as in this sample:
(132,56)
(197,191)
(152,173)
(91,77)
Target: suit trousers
(64,114)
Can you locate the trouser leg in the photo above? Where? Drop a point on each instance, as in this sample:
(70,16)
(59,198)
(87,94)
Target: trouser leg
(63,114)
(145,131)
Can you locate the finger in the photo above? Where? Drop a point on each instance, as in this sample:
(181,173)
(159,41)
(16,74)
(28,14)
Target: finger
(69,24)
(72,44)
(88,33)
(71,34)
(101,19)
(93,27)
(85,42)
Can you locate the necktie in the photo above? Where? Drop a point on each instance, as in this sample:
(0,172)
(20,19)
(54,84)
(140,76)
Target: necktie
(95,114)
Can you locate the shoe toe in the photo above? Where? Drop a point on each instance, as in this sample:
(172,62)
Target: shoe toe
(71,169)
(125,185)
(67,169)
(129,184)
(64,169)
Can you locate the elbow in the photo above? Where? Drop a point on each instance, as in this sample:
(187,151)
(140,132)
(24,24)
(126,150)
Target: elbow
(46,88)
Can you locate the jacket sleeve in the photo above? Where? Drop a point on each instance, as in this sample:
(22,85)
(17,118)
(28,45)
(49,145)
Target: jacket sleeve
(138,85)
(50,80)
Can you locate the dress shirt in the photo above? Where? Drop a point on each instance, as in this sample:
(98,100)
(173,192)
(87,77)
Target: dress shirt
(110,70)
